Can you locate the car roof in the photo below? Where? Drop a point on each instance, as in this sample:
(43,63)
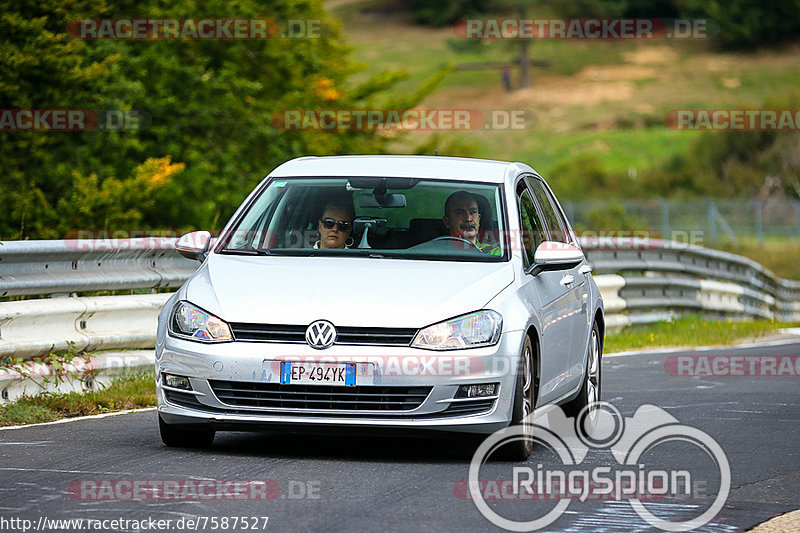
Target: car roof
(406,166)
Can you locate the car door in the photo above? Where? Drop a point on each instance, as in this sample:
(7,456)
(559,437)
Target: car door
(563,294)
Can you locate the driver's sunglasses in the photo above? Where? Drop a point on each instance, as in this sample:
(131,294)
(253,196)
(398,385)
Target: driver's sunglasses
(328,223)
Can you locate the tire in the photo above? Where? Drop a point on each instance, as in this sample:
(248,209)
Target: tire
(185,436)
(524,403)
(592,382)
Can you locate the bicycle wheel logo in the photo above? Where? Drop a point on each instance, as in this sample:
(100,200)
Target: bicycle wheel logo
(629,441)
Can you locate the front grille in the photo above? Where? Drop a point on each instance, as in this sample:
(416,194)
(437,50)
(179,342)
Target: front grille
(345,335)
(324,397)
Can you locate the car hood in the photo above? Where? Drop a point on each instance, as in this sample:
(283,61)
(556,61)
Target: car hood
(347,291)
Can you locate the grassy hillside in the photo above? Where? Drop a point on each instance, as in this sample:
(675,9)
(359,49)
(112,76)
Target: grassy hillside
(601,101)
(602,98)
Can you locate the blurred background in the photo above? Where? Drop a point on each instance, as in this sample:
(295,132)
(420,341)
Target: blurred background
(595,112)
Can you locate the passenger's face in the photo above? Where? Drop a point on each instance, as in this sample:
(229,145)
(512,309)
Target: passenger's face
(463,219)
(334,237)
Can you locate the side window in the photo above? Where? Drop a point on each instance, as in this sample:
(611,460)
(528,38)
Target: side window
(556,229)
(530,224)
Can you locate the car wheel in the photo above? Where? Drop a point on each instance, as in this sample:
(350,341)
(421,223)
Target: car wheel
(589,394)
(524,403)
(185,436)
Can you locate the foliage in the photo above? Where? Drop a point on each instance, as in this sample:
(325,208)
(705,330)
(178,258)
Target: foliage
(57,367)
(130,391)
(733,164)
(742,24)
(444,12)
(610,216)
(747,23)
(94,203)
(210,104)
(754,164)
(585,175)
(438,144)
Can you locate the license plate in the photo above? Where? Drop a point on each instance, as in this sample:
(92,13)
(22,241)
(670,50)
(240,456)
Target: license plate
(309,373)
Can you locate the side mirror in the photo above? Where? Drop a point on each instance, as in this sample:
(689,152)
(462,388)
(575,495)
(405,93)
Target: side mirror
(551,255)
(194,245)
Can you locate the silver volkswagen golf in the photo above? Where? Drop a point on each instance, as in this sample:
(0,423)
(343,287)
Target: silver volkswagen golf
(378,292)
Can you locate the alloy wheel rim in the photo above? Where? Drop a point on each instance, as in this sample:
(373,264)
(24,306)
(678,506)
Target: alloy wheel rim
(527,392)
(593,378)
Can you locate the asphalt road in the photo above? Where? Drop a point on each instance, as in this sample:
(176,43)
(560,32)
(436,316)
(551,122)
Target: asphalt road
(339,482)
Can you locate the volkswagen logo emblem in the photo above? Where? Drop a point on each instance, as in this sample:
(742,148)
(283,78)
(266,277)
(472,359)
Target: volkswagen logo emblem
(321,334)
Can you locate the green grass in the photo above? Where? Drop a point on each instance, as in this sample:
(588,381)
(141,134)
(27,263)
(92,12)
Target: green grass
(132,391)
(390,41)
(690,331)
(607,99)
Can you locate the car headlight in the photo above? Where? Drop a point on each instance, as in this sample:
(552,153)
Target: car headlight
(191,322)
(481,328)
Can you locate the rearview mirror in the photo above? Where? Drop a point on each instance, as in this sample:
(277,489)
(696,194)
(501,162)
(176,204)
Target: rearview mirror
(194,245)
(381,200)
(551,255)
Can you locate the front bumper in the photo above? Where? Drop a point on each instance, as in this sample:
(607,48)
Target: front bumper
(433,377)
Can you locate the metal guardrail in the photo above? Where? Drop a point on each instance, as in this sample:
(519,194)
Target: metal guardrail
(641,281)
(663,276)
(73,266)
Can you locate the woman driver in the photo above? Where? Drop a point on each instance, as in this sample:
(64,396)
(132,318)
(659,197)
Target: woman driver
(335,226)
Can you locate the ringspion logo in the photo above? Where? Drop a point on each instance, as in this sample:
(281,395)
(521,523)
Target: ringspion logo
(634,472)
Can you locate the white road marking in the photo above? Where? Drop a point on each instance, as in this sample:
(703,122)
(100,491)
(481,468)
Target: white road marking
(58,471)
(89,417)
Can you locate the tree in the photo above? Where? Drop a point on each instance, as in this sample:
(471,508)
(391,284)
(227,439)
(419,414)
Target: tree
(210,105)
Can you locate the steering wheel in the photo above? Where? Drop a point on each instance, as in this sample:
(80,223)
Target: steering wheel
(452,238)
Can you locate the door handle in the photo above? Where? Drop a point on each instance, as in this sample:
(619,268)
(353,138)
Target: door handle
(585,269)
(567,280)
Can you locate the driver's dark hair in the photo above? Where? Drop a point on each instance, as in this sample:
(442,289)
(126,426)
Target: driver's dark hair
(459,195)
(342,204)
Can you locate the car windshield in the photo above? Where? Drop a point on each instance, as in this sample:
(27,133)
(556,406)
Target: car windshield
(413,218)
